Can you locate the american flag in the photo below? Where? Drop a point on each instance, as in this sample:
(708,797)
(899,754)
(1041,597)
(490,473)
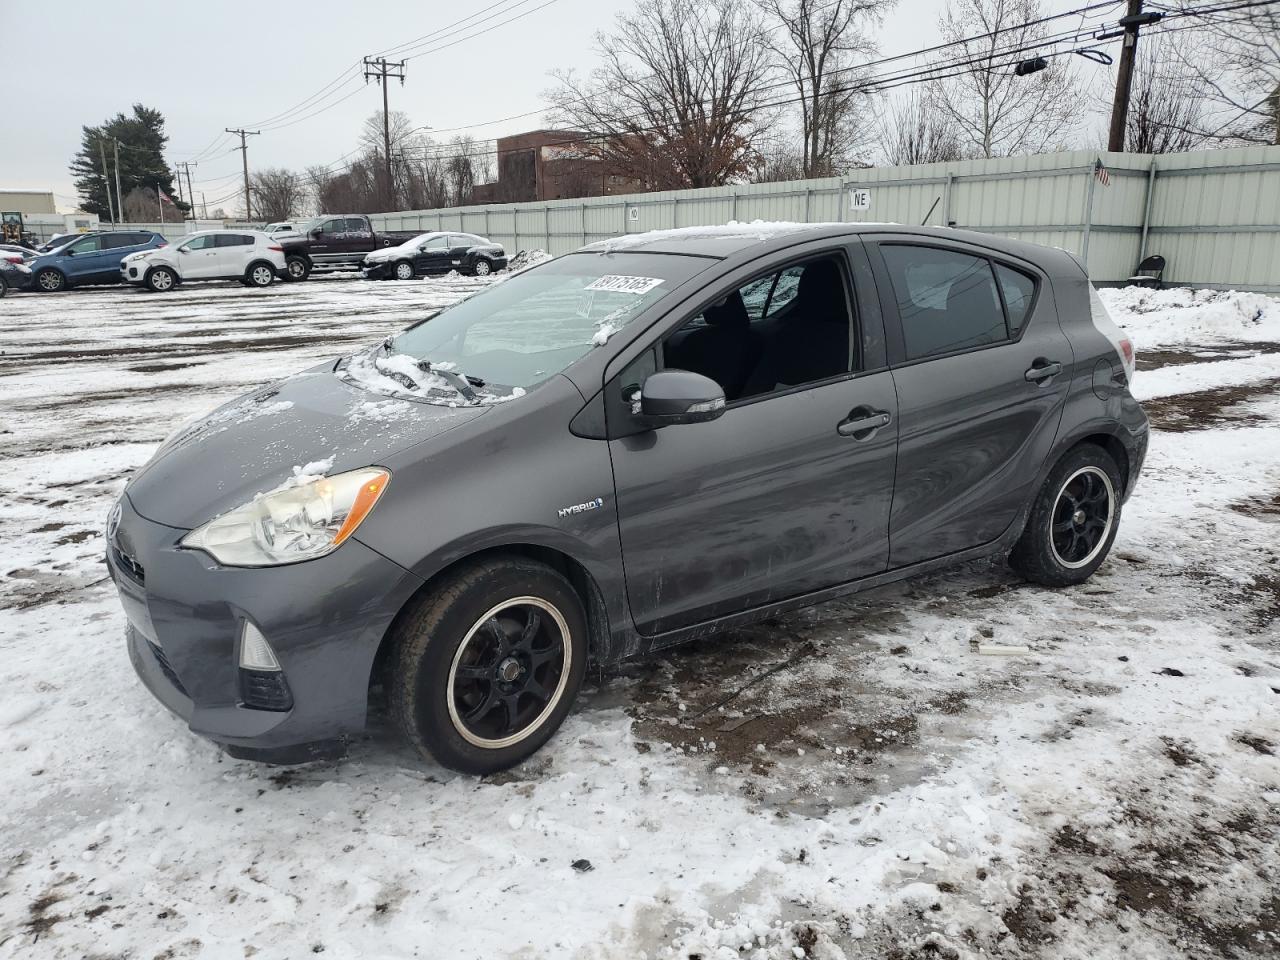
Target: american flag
(164,197)
(1100,173)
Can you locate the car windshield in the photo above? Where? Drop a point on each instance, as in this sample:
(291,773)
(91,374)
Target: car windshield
(520,332)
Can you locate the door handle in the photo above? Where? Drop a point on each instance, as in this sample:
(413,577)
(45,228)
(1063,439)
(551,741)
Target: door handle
(1042,369)
(862,423)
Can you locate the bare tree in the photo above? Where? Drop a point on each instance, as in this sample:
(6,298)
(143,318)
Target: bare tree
(1237,61)
(997,113)
(278,194)
(1167,105)
(678,99)
(819,44)
(778,162)
(913,129)
(141,205)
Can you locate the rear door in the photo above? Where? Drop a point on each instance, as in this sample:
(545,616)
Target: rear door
(789,491)
(981,367)
(232,252)
(121,245)
(359,235)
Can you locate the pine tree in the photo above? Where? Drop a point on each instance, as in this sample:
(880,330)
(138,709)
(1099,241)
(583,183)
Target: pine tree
(142,164)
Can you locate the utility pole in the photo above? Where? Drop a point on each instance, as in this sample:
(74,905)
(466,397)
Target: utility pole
(381,71)
(182,167)
(180,194)
(106,180)
(244,155)
(1130,23)
(119,192)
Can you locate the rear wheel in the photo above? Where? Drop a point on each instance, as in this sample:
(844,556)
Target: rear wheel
(404,270)
(161,279)
(297,268)
(50,280)
(260,275)
(483,267)
(1073,521)
(4,285)
(487,667)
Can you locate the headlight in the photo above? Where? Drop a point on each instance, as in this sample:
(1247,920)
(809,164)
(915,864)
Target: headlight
(296,523)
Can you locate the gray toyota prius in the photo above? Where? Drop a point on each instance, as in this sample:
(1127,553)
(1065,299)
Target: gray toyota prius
(622,448)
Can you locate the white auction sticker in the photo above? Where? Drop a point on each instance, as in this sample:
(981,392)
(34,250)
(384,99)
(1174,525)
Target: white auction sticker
(637,285)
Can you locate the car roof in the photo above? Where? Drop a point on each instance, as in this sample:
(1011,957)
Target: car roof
(752,239)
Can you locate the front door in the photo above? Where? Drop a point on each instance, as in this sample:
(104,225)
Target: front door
(982,367)
(789,491)
(433,256)
(328,237)
(198,258)
(87,260)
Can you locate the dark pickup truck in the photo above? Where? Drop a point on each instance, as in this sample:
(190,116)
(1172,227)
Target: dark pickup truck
(334,241)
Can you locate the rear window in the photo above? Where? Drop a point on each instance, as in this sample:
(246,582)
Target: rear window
(947,300)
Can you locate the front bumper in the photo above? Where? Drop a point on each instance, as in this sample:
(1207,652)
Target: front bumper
(324,619)
(375,271)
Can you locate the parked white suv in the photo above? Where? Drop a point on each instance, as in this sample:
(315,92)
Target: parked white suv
(249,256)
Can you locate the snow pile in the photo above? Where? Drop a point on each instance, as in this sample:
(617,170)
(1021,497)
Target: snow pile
(1155,318)
(526,259)
(393,374)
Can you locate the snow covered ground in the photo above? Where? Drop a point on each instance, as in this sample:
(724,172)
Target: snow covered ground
(850,781)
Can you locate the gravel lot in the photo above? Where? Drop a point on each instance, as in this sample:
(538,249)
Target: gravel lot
(851,781)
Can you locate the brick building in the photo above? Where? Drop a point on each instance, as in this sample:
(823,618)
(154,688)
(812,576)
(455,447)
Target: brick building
(545,165)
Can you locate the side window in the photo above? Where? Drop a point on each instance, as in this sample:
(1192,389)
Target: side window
(232,240)
(1019,290)
(336,225)
(435,243)
(199,243)
(751,346)
(87,245)
(357,225)
(114,241)
(947,300)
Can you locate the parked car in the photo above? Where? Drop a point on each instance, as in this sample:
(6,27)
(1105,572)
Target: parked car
(335,242)
(280,227)
(92,258)
(59,240)
(622,448)
(249,256)
(14,272)
(435,253)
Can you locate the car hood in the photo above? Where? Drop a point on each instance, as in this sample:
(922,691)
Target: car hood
(388,253)
(309,423)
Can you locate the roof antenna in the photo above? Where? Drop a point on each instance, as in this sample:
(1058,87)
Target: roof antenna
(936,201)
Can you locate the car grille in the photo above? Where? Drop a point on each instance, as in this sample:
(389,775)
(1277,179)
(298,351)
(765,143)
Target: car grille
(130,566)
(166,668)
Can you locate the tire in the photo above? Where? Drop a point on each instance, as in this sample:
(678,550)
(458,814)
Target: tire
(50,280)
(1073,520)
(260,274)
(483,267)
(297,268)
(481,621)
(403,270)
(161,279)
(4,286)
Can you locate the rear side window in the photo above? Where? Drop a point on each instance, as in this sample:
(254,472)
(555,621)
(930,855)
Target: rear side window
(114,241)
(232,240)
(947,300)
(1018,290)
(357,225)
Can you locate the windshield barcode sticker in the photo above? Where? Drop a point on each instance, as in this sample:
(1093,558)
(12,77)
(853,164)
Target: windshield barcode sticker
(637,285)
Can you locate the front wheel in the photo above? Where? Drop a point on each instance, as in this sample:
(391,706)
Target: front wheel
(161,280)
(297,268)
(487,667)
(1073,521)
(404,270)
(4,286)
(50,281)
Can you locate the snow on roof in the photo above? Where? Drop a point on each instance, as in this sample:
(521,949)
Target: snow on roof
(759,231)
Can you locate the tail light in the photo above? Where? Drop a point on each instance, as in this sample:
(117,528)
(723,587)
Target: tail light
(16,258)
(161,244)
(276,248)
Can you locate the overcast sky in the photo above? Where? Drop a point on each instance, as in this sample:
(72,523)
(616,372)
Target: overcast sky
(207,66)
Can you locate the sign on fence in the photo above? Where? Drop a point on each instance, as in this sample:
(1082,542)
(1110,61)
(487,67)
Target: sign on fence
(860,198)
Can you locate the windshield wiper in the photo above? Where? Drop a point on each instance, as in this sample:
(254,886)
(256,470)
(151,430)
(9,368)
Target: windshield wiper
(457,381)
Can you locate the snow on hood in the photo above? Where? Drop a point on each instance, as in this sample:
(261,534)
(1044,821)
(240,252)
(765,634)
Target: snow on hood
(383,254)
(259,441)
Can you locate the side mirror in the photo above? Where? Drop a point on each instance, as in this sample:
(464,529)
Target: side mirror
(66,253)
(315,234)
(669,397)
